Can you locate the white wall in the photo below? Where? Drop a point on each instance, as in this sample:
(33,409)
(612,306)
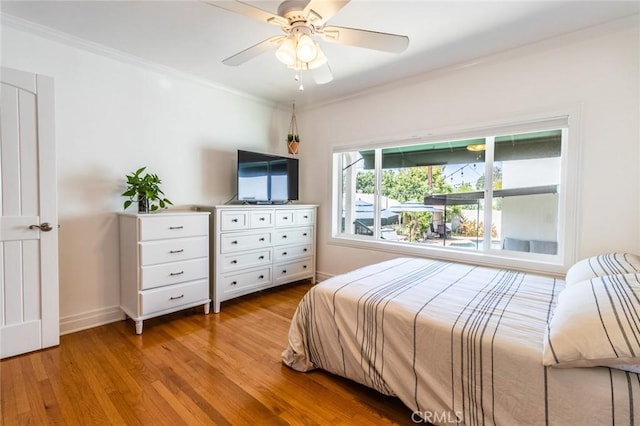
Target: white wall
(596,70)
(113,116)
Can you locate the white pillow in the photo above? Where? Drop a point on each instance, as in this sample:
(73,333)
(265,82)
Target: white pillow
(596,323)
(604,264)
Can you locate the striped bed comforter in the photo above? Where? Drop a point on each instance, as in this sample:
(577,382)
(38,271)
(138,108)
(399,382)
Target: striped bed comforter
(455,343)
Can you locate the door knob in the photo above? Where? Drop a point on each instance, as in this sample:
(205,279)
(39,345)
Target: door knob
(44,227)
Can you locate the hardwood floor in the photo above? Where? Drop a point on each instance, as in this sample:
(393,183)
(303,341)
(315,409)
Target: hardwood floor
(187,368)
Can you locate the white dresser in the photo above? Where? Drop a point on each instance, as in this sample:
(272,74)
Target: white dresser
(164,263)
(257,247)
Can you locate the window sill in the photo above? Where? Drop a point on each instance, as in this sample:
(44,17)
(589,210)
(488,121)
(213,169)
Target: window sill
(525,262)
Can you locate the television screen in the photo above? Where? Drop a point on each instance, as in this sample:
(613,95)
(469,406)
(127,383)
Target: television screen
(267,177)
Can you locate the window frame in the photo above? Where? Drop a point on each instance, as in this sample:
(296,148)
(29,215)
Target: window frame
(567,119)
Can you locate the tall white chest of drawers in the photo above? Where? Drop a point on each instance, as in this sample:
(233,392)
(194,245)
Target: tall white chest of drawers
(164,263)
(258,247)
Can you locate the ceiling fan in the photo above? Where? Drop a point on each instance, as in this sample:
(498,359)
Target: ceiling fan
(302,21)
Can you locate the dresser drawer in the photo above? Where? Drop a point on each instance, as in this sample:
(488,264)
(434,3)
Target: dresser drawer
(304,217)
(284,218)
(234,221)
(288,271)
(284,253)
(157,227)
(293,236)
(261,219)
(238,282)
(239,260)
(160,299)
(174,272)
(173,250)
(244,241)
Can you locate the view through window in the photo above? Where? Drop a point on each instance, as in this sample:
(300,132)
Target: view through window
(499,192)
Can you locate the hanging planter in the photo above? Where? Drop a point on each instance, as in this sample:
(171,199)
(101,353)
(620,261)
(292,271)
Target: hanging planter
(293,139)
(292,143)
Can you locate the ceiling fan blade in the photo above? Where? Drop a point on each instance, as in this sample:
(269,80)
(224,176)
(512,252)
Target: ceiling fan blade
(318,12)
(250,11)
(369,39)
(253,51)
(322,74)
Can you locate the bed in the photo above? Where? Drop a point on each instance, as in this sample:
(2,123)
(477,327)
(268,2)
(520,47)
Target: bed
(466,344)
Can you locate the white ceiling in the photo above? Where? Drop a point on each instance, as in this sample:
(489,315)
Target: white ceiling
(194,37)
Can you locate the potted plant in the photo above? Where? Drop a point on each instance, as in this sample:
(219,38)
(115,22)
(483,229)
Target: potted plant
(146,191)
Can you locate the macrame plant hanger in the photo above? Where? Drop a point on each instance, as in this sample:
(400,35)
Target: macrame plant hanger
(293,138)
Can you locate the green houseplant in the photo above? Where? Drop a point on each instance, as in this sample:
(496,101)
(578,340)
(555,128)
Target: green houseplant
(146,191)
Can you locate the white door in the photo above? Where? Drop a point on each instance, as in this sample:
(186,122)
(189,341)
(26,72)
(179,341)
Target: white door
(28,226)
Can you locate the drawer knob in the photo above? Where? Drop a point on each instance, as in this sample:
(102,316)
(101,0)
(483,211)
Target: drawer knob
(261,239)
(176,273)
(306,217)
(305,234)
(286,218)
(176,227)
(284,271)
(176,297)
(234,242)
(284,253)
(304,266)
(261,277)
(261,257)
(233,262)
(304,250)
(284,236)
(234,282)
(262,219)
(176,251)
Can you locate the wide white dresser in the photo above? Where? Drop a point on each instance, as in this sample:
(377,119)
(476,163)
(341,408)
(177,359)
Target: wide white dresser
(164,263)
(261,246)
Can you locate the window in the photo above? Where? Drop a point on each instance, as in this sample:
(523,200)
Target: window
(496,195)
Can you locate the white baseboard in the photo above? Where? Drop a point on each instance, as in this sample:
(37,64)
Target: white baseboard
(85,320)
(321,276)
(90,319)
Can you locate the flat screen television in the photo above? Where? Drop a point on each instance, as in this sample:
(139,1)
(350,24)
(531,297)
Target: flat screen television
(266,178)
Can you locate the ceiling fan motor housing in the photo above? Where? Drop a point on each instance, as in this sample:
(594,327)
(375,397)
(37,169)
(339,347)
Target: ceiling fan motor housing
(300,28)
(292,6)
(293,11)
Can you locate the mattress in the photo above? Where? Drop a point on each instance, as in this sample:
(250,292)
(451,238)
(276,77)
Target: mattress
(456,343)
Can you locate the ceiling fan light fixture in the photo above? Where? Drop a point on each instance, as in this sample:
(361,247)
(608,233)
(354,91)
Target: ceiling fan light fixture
(307,49)
(286,53)
(319,60)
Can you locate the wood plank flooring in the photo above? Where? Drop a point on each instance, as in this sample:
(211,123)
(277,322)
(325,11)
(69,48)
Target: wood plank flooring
(185,369)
